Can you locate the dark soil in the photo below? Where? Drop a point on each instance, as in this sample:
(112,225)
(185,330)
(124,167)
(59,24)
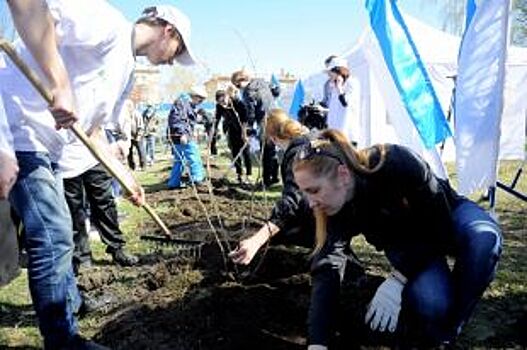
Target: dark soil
(191,297)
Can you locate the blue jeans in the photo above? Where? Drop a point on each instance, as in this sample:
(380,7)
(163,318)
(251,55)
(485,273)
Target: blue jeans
(38,199)
(188,152)
(112,137)
(439,300)
(150,148)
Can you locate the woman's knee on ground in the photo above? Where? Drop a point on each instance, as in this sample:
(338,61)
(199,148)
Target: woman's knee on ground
(426,302)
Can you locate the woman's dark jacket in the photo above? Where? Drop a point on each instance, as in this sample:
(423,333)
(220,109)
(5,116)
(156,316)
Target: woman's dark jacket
(402,209)
(290,211)
(234,119)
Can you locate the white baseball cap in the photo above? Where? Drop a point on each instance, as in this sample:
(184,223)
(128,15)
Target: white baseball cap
(198,90)
(337,62)
(182,24)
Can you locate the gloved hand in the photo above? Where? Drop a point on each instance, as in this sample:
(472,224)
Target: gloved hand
(385,306)
(317,347)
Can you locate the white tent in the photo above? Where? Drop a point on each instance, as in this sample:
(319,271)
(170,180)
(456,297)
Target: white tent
(380,110)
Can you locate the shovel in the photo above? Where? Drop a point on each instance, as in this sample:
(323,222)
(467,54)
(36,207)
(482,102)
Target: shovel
(77,130)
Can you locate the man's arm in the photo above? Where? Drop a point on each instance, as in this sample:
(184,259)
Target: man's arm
(34,24)
(8,163)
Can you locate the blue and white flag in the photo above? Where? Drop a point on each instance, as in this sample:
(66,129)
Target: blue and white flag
(479,95)
(469,9)
(274,80)
(275,88)
(408,72)
(298,100)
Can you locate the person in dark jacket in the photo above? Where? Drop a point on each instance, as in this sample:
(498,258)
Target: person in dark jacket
(181,121)
(232,111)
(390,195)
(258,99)
(290,136)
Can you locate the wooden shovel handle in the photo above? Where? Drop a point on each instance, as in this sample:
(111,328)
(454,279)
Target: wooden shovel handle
(77,130)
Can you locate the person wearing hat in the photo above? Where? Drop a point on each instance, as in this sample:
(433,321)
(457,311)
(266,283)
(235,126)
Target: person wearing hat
(338,98)
(182,118)
(99,63)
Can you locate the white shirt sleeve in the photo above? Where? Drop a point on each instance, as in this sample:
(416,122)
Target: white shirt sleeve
(6,139)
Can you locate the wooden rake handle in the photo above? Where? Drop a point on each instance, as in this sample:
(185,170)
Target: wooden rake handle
(77,130)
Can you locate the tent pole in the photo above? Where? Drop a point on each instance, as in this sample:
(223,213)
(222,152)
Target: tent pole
(510,188)
(492,198)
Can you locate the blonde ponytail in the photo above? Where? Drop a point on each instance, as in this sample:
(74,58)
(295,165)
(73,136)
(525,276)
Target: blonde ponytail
(335,149)
(321,220)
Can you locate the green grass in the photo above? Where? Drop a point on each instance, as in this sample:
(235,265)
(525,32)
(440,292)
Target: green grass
(504,301)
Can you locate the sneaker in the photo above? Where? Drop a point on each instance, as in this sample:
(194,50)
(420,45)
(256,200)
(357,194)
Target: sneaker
(181,186)
(122,258)
(93,304)
(80,343)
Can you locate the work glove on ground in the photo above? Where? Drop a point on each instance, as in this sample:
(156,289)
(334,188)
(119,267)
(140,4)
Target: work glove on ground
(317,347)
(383,310)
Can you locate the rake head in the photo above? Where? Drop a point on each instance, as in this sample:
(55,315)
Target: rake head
(187,248)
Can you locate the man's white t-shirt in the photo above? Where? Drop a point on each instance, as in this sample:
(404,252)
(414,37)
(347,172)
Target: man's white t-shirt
(99,59)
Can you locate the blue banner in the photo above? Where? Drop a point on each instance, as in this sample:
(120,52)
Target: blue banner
(298,100)
(274,80)
(408,71)
(469,13)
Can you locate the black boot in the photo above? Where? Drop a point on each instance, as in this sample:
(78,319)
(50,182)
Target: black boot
(121,258)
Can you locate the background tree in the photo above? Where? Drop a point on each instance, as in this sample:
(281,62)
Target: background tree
(176,80)
(454,18)
(519,28)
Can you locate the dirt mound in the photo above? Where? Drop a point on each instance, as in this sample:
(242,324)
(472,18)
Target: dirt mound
(192,297)
(178,304)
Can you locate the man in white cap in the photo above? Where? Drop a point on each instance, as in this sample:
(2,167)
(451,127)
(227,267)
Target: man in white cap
(182,118)
(99,60)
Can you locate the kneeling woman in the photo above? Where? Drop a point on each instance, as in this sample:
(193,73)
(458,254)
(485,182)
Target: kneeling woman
(390,195)
(291,136)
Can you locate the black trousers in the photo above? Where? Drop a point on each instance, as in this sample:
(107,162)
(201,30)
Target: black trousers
(140,147)
(235,145)
(95,187)
(270,164)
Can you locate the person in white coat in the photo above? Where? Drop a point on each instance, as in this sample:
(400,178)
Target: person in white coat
(338,89)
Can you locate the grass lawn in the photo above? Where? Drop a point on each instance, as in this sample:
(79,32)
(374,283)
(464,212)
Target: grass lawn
(497,318)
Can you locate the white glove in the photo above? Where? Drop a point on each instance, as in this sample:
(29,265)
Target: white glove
(385,306)
(317,347)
